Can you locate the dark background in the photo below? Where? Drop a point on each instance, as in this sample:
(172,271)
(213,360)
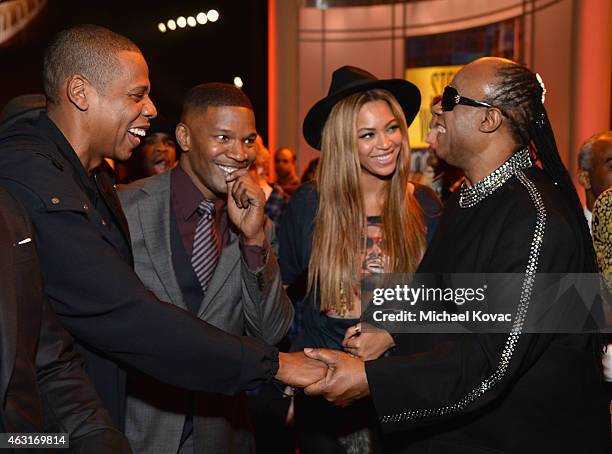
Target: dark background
(235,45)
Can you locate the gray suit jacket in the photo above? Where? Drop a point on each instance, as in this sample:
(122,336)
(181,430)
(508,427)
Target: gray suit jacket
(237,300)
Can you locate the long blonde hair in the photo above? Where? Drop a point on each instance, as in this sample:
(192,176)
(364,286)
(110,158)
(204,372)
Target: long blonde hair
(338,239)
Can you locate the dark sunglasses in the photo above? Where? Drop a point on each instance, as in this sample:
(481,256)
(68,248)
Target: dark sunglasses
(451,97)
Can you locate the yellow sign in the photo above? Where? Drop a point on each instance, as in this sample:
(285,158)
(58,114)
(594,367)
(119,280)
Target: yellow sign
(431,81)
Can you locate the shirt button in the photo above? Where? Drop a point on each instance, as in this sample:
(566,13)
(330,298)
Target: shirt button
(55,200)
(103,222)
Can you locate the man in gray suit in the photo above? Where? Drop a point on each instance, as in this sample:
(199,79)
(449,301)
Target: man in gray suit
(227,275)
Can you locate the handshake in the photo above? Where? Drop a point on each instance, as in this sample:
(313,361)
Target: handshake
(333,374)
(338,376)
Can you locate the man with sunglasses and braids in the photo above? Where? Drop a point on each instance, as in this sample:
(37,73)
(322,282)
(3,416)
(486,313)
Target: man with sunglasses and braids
(516,391)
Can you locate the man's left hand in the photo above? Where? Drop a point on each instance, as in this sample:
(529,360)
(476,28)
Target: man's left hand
(345,381)
(245,206)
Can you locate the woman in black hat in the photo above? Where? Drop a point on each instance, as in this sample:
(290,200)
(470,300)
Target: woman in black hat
(360,216)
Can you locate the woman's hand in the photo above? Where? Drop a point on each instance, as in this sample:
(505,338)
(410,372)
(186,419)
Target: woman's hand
(367,342)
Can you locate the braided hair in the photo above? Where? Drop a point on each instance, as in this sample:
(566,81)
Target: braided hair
(521,93)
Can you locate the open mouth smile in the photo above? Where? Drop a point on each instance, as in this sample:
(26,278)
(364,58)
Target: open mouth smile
(228,170)
(386,158)
(138,131)
(136,134)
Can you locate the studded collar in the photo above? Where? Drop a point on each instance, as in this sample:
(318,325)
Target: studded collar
(471,196)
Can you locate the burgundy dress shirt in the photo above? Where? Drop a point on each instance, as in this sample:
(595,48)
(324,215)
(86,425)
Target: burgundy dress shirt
(184,200)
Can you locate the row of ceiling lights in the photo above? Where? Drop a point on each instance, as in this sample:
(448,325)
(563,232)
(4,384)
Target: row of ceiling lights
(182,22)
(200,18)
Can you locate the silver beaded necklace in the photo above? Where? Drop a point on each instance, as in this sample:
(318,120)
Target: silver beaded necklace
(470,196)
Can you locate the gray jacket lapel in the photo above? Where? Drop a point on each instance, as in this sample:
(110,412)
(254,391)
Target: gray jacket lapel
(227,262)
(154,212)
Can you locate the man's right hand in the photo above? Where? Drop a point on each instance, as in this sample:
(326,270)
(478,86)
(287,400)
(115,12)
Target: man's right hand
(297,370)
(245,206)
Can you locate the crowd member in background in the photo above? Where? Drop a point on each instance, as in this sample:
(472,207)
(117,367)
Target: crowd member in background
(360,216)
(155,154)
(284,167)
(201,240)
(43,387)
(426,175)
(517,389)
(276,198)
(602,240)
(98,106)
(595,168)
(310,172)
(595,176)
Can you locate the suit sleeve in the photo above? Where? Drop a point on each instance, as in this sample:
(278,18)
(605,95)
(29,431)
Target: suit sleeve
(467,373)
(268,311)
(100,300)
(69,398)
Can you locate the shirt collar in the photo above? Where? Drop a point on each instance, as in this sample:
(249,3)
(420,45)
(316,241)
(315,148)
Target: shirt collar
(187,196)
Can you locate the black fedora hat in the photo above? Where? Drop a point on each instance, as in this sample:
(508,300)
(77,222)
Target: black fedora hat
(348,80)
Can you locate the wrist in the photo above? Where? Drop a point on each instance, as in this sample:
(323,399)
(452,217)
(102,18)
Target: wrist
(281,365)
(254,240)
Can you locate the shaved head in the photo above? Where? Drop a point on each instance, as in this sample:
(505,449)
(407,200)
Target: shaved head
(88,50)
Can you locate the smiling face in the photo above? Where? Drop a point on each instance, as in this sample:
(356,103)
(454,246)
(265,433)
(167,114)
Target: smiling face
(119,113)
(379,139)
(455,134)
(216,141)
